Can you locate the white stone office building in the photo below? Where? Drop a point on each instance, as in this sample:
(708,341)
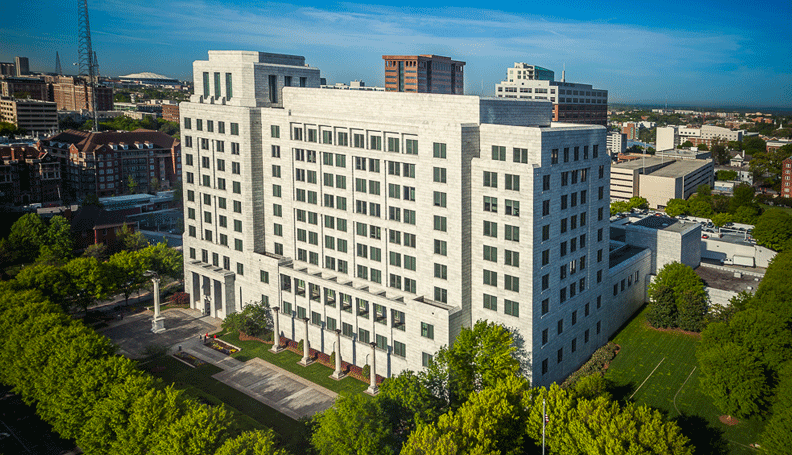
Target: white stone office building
(396,218)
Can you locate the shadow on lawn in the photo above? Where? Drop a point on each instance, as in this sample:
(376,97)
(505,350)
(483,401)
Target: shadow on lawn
(703,436)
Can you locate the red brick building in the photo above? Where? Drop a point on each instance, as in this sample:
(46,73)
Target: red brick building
(74,93)
(24,87)
(170,112)
(786,178)
(424,74)
(28,176)
(92,225)
(102,163)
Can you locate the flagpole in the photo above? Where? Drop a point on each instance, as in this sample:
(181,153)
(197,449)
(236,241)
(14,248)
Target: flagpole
(544,422)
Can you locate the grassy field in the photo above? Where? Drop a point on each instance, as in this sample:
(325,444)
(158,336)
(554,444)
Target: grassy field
(316,372)
(786,209)
(249,414)
(659,368)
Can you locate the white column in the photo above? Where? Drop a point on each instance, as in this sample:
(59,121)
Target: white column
(337,373)
(372,388)
(306,360)
(156,282)
(276,344)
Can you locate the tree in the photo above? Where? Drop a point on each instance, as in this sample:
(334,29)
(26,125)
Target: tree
(164,260)
(703,147)
(765,335)
(686,144)
(409,402)
(689,297)
(773,229)
(720,219)
(97,250)
(130,240)
(491,421)
(692,310)
(58,238)
(726,175)
(199,430)
(27,235)
(720,154)
(734,145)
(127,268)
(90,279)
(355,425)
(743,195)
(154,185)
(776,439)
(700,208)
(253,442)
(256,319)
(676,207)
(734,379)
(638,202)
(132,185)
(747,214)
(662,309)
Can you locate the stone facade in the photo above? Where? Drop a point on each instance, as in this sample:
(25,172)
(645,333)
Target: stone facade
(369,212)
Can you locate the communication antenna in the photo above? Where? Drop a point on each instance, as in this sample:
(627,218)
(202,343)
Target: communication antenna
(87,58)
(58,69)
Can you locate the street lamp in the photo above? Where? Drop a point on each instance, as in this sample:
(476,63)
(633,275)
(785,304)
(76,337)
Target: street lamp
(158,322)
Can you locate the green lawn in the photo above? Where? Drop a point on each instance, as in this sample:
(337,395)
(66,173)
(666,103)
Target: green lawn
(767,207)
(248,413)
(316,372)
(672,388)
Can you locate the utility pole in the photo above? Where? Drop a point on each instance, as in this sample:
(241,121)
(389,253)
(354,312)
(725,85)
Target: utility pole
(87,61)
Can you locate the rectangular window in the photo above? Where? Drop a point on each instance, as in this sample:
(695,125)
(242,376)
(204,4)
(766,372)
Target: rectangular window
(511,307)
(440,223)
(441,247)
(439,199)
(439,150)
(511,283)
(512,182)
(439,174)
(512,207)
(490,253)
(512,233)
(490,229)
(490,278)
(441,271)
(426,359)
(490,179)
(235,129)
(411,146)
(498,153)
(376,143)
(427,330)
(512,258)
(363,336)
(490,204)
(520,155)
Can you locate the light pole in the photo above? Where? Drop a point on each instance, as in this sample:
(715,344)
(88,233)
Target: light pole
(158,322)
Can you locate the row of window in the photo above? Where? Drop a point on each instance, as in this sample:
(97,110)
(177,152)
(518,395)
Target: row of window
(510,307)
(359,140)
(199,126)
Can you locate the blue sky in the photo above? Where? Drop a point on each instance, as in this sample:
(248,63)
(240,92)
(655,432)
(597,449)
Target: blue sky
(693,53)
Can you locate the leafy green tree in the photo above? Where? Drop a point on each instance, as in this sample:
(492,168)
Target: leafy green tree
(743,195)
(776,439)
(703,147)
(491,421)
(720,219)
(726,175)
(638,202)
(775,290)
(617,207)
(747,214)
(754,144)
(254,442)
(164,260)
(154,184)
(700,208)
(479,357)
(720,155)
(149,416)
(769,338)
(90,279)
(127,269)
(52,281)
(734,379)
(686,144)
(677,276)
(692,311)
(132,185)
(662,309)
(198,431)
(59,239)
(256,319)
(27,235)
(773,229)
(734,145)
(676,207)
(409,402)
(355,425)
(131,240)
(593,386)
(97,251)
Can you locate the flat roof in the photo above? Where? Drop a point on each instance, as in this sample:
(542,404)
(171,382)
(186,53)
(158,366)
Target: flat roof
(726,280)
(680,168)
(638,163)
(665,223)
(622,254)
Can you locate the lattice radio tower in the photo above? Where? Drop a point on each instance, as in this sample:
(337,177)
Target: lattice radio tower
(88,63)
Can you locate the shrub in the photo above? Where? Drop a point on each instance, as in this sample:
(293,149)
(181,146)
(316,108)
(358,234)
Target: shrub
(595,365)
(366,371)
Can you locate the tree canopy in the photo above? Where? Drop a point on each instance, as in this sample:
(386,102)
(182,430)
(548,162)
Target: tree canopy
(773,229)
(677,298)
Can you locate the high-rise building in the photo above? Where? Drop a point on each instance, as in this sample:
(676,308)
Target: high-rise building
(24,88)
(572,103)
(7,69)
(74,94)
(22,66)
(388,222)
(617,143)
(424,74)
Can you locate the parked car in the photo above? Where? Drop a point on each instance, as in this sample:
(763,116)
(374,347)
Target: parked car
(704,236)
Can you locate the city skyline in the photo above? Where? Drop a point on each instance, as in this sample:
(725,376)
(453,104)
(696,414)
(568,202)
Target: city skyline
(652,53)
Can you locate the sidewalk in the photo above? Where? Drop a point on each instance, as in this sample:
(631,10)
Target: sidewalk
(275,387)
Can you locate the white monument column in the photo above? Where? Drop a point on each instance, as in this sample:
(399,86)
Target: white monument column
(306,359)
(337,373)
(372,388)
(276,344)
(158,323)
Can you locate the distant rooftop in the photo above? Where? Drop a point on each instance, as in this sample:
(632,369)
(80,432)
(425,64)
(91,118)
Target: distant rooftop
(679,168)
(146,75)
(665,223)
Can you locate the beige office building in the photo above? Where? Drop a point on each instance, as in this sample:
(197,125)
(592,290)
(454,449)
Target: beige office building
(659,179)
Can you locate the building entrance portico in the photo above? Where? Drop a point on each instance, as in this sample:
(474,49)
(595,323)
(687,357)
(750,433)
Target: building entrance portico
(212,290)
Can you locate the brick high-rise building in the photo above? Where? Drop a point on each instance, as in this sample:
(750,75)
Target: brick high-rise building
(424,74)
(34,116)
(572,103)
(74,93)
(24,87)
(28,175)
